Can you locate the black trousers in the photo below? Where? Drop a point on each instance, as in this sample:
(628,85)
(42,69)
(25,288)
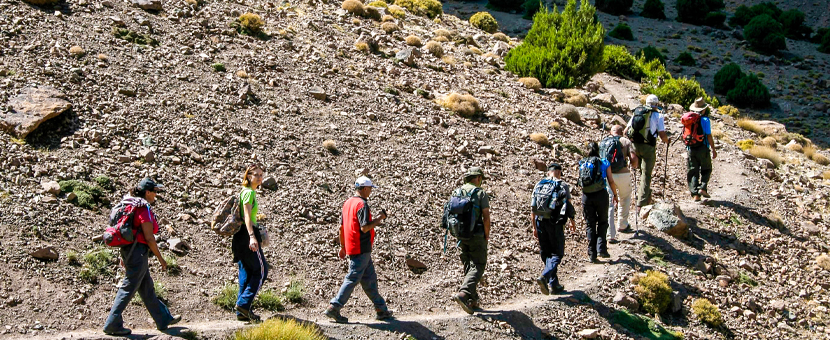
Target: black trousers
(595,212)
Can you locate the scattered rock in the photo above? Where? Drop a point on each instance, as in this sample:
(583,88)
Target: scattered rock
(589,115)
(148,155)
(152,5)
(592,333)
(668,218)
(605,100)
(178,246)
(270,183)
(51,187)
(317,93)
(538,164)
(33,106)
(416,266)
(626,301)
(45,253)
(676,302)
(569,112)
(770,127)
(407,56)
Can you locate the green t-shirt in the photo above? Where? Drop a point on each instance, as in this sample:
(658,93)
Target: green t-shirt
(481,196)
(248,196)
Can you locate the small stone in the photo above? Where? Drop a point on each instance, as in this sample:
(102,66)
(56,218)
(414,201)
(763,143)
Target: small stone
(626,301)
(416,266)
(76,51)
(152,5)
(361,172)
(51,187)
(270,183)
(317,93)
(124,159)
(538,164)
(592,333)
(71,197)
(487,149)
(148,155)
(749,314)
(178,245)
(45,253)
(33,106)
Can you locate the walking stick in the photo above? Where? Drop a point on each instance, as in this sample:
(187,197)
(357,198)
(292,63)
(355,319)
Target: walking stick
(637,212)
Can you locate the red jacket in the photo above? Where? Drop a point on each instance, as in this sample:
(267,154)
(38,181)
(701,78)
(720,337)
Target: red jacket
(356,214)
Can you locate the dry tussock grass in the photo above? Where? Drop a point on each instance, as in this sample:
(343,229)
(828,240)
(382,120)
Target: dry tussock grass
(413,41)
(476,50)
(356,21)
(718,134)
(387,18)
(809,151)
(770,142)
(821,159)
(435,48)
(540,139)
(767,153)
(449,60)
(442,33)
(441,39)
(826,175)
(555,125)
(76,51)
(361,46)
(353,6)
(464,105)
(823,261)
(396,11)
(751,126)
(389,27)
(795,147)
(330,145)
(531,83)
(501,37)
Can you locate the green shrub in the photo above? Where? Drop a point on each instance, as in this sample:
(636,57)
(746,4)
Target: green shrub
(173,267)
(749,91)
(97,263)
(645,327)
(654,292)
(715,5)
(134,37)
(378,3)
(425,8)
(824,46)
(620,63)
(746,144)
(654,9)
(250,23)
(226,299)
(531,7)
(820,34)
(768,8)
(281,329)
(266,299)
(562,50)
(692,11)
(615,7)
(295,291)
(707,312)
(729,110)
(218,67)
(742,16)
(764,34)
(726,78)
(72,258)
(681,91)
(793,23)
(485,22)
(685,59)
(105,183)
(714,19)
(650,53)
(270,300)
(87,195)
(622,31)
(745,278)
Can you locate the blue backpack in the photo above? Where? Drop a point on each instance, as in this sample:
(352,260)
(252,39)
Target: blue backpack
(461,215)
(550,198)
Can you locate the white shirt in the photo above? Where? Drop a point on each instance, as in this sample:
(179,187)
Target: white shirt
(656,123)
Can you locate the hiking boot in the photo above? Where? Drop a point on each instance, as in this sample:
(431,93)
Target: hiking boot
(475,305)
(696,198)
(383,315)
(613,240)
(704,193)
(463,302)
(626,230)
(334,314)
(248,314)
(543,286)
(120,332)
(592,259)
(176,319)
(241,317)
(556,289)
(604,255)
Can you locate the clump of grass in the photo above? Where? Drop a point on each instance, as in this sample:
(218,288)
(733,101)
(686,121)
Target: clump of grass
(226,299)
(752,126)
(795,147)
(189,335)
(370,12)
(531,83)
(770,142)
(413,41)
(250,24)
(389,27)
(242,74)
(555,125)
(789,136)
(707,312)
(356,21)
(96,264)
(464,105)
(485,22)
(826,175)
(73,258)
(87,195)
(173,267)
(654,292)
(821,159)
(396,11)
(295,291)
(435,48)
(331,146)
(644,327)
(161,293)
(718,134)
(745,278)
(134,37)
(424,8)
(809,151)
(729,110)
(449,60)
(823,261)
(381,4)
(540,138)
(77,51)
(654,254)
(361,46)
(218,67)
(387,18)
(501,37)
(767,153)
(269,300)
(746,144)
(442,33)
(275,328)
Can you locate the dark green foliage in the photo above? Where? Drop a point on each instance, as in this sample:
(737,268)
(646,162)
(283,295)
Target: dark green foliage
(793,23)
(715,5)
(726,78)
(295,291)
(504,5)
(642,326)
(562,50)
(824,46)
(650,53)
(531,7)
(768,8)
(685,59)
(715,19)
(134,37)
(97,263)
(620,63)
(820,33)
(681,91)
(764,34)
(615,7)
(743,15)
(105,183)
(749,91)
(654,9)
(692,11)
(87,196)
(622,31)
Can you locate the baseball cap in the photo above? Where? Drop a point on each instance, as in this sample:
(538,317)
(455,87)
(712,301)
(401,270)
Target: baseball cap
(148,184)
(652,100)
(363,181)
(554,166)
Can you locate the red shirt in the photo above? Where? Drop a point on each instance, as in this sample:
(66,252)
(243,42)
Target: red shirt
(141,216)
(356,214)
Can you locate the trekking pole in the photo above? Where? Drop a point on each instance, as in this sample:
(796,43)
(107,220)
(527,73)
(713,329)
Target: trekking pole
(637,211)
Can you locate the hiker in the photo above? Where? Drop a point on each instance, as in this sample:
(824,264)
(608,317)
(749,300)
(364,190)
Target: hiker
(135,260)
(593,175)
(697,135)
(246,246)
(357,234)
(551,208)
(472,240)
(618,151)
(643,128)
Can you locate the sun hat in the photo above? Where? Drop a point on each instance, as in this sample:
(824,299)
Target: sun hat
(699,105)
(474,171)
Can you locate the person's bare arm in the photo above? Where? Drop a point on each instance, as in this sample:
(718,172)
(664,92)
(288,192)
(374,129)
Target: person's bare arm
(663,136)
(712,145)
(253,244)
(486,214)
(376,222)
(147,230)
(632,157)
(342,252)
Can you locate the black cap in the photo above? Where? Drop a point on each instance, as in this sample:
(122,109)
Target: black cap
(554,166)
(148,184)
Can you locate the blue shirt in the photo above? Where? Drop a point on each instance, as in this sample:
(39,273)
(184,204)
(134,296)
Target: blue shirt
(707,129)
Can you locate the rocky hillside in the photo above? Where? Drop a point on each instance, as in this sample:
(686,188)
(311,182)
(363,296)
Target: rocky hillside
(318,98)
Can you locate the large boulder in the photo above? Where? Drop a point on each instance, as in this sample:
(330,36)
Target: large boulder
(605,100)
(33,106)
(771,128)
(668,218)
(589,115)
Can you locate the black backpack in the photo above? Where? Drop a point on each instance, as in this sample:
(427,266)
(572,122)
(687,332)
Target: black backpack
(461,214)
(611,149)
(640,131)
(590,175)
(550,197)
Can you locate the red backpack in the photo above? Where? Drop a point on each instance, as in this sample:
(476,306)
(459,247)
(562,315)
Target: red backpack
(121,231)
(692,130)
